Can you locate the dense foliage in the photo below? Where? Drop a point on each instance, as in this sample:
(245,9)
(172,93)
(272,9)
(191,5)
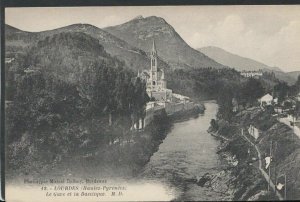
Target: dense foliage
(223,85)
(49,110)
(203,83)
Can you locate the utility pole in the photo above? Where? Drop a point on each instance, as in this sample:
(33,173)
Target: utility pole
(275,173)
(285,185)
(294,121)
(270,166)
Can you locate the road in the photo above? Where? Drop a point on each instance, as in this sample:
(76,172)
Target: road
(263,172)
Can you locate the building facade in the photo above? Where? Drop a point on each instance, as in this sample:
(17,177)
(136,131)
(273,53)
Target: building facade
(250,74)
(267,100)
(155,79)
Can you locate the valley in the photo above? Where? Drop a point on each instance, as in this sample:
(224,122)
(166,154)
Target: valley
(135,102)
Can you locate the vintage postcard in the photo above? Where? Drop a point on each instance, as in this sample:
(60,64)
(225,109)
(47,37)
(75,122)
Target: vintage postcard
(152,103)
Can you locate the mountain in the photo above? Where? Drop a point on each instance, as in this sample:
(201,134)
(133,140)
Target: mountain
(17,41)
(66,56)
(71,57)
(242,63)
(232,60)
(140,32)
(294,74)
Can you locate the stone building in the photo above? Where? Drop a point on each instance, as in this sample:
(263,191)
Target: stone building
(155,79)
(252,74)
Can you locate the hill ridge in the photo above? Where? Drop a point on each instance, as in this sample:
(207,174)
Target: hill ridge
(209,51)
(170,45)
(241,63)
(133,57)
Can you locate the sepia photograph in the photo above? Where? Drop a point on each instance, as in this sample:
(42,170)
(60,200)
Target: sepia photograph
(152,103)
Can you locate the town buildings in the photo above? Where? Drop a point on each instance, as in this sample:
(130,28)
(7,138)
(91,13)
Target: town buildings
(252,74)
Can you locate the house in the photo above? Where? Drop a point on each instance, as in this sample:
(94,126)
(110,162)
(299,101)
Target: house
(266,100)
(278,109)
(150,105)
(28,70)
(9,60)
(254,132)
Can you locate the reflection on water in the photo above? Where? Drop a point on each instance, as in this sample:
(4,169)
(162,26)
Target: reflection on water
(187,152)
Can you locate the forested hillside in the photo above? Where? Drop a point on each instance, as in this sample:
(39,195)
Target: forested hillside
(52,115)
(204,83)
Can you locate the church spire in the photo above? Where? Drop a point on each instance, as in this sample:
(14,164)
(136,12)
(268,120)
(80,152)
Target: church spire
(153,46)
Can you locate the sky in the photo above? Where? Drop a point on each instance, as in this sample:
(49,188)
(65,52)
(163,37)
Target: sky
(269,34)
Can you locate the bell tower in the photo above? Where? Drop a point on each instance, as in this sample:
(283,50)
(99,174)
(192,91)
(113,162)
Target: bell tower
(153,73)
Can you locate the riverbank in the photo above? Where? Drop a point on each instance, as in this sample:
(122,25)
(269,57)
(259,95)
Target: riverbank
(239,178)
(124,156)
(248,178)
(186,114)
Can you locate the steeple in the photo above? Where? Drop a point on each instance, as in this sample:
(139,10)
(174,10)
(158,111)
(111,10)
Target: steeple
(153,57)
(153,47)
(153,73)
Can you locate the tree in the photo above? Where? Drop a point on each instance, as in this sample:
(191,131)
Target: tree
(287,105)
(297,110)
(214,125)
(295,89)
(251,91)
(225,103)
(281,90)
(298,82)
(42,103)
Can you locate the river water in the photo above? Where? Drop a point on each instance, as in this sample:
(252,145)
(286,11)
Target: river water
(187,152)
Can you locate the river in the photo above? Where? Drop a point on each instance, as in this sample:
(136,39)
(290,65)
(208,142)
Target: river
(188,151)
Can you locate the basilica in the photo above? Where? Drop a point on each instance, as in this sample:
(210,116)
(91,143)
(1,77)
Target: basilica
(161,96)
(155,79)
